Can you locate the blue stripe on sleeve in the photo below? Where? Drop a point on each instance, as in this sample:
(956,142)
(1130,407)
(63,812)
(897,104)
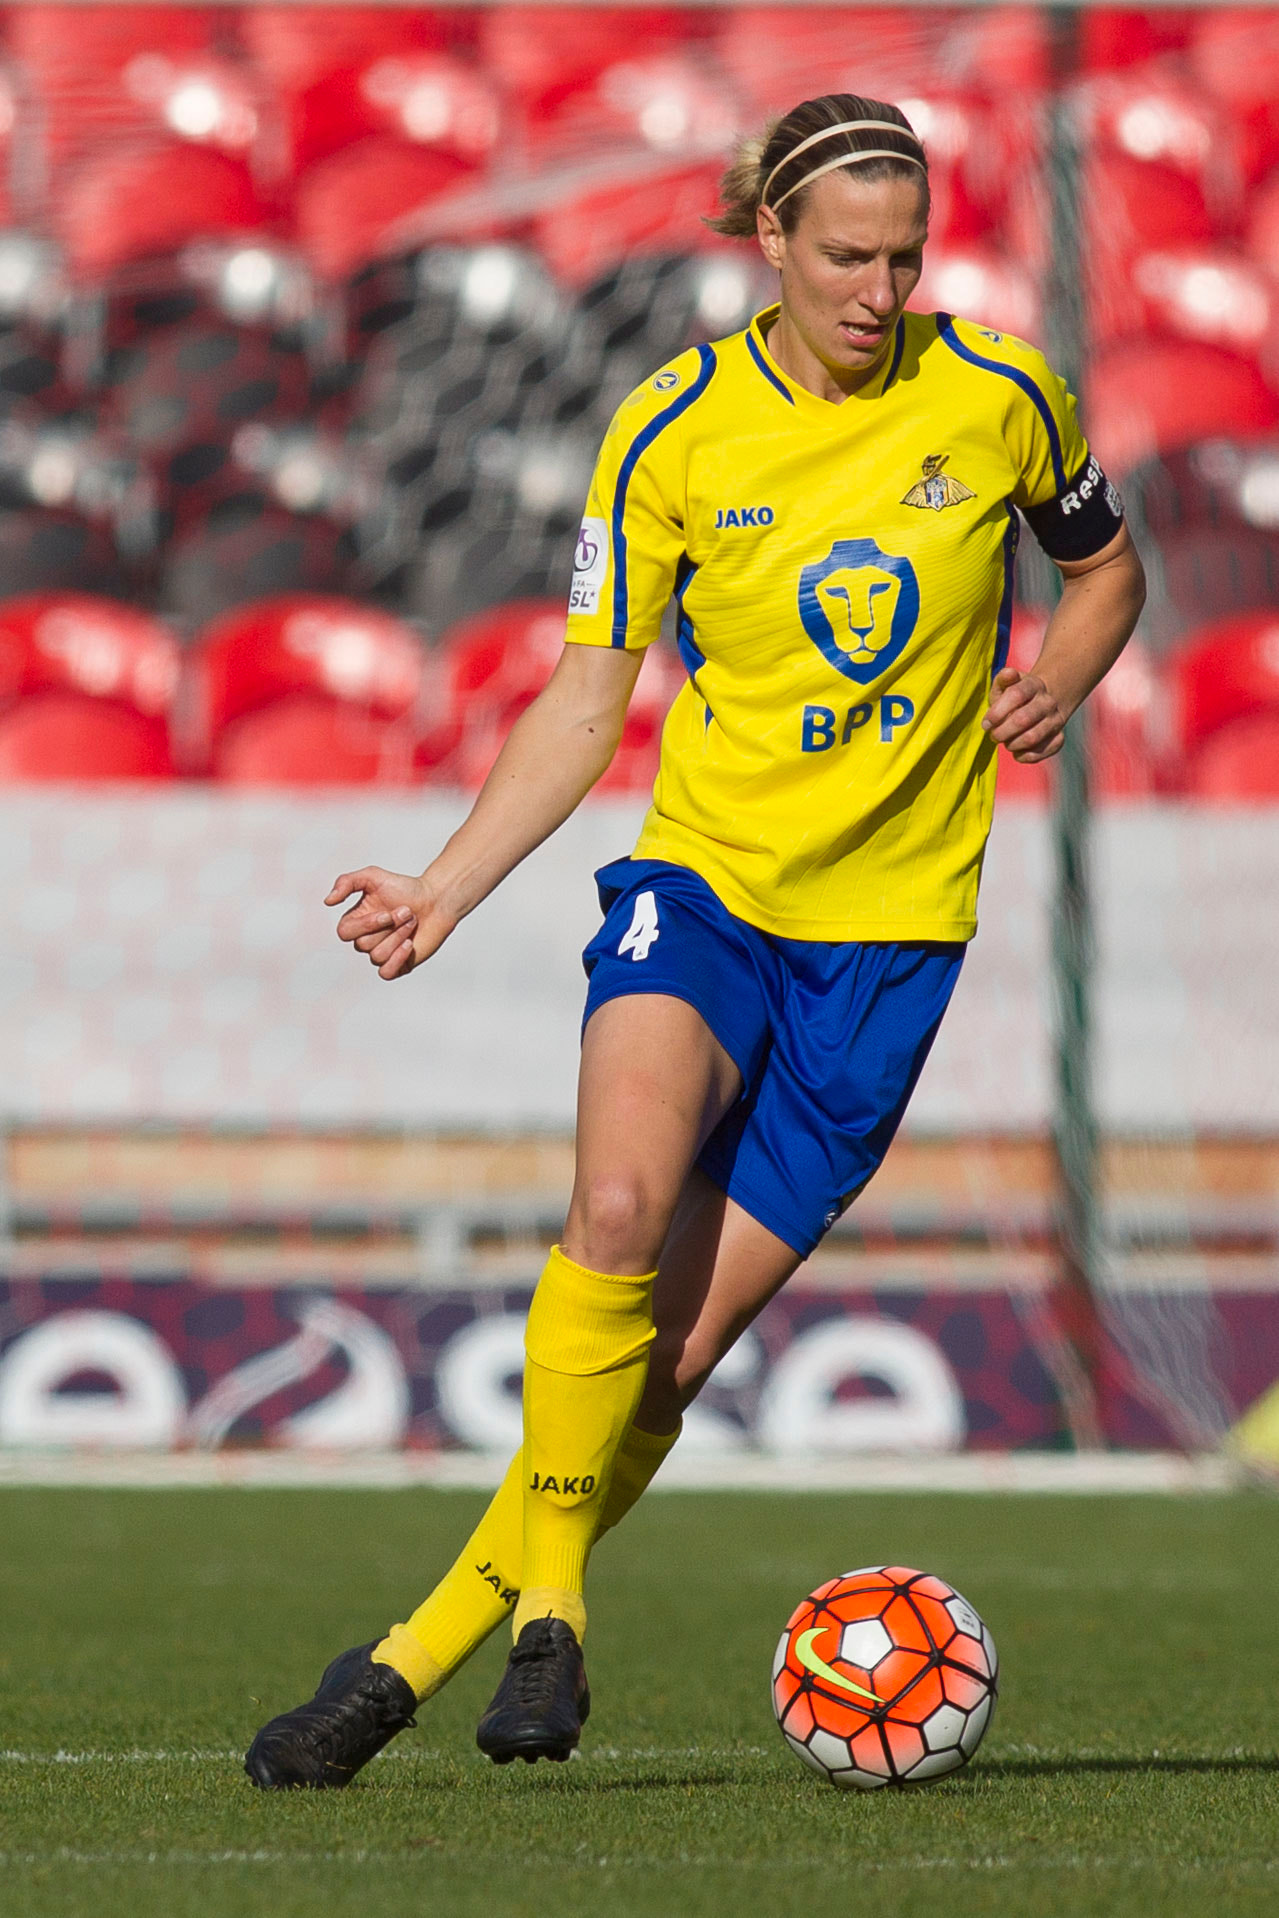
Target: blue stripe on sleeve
(1004,623)
(767,370)
(642,441)
(946,332)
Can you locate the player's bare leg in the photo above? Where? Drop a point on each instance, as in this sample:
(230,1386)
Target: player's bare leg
(718,1270)
(654,1083)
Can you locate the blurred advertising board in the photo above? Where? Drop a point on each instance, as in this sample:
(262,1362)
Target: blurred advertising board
(166,1363)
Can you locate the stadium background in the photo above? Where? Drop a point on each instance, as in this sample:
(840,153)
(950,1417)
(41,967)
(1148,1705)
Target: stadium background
(311,319)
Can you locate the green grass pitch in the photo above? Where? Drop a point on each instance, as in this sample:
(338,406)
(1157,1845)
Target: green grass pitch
(1131,1767)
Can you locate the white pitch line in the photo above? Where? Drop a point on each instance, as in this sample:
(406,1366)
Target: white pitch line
(654,1754)
(67,1855)
(399,1755)
(116,1758)
(979,1472)
(991,1862)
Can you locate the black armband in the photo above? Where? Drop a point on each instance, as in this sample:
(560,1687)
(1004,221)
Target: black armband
(1080,521)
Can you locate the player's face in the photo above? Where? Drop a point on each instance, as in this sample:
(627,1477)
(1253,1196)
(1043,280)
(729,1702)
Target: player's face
(849,266)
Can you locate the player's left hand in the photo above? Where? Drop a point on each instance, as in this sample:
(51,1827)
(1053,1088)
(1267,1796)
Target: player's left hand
(1024,716)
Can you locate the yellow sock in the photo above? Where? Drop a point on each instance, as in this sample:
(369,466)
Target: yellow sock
(472,1599)
(477,1592)
(634,1470)
(586,1359)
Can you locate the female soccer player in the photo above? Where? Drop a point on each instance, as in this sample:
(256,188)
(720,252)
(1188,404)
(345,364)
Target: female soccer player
(833,498)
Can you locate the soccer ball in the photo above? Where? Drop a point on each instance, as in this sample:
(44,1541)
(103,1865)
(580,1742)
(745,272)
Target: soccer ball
(884,1677)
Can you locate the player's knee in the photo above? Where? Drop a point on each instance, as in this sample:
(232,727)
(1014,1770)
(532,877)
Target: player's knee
(612,1220)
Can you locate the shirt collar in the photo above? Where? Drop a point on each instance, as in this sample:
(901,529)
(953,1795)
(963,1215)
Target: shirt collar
(799,396)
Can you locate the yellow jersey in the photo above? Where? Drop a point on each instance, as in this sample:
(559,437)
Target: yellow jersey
(843,578)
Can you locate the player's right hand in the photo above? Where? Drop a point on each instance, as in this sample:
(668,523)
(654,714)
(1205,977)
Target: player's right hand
(396,921)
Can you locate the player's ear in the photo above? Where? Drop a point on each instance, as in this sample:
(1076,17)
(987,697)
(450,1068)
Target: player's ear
(772,240)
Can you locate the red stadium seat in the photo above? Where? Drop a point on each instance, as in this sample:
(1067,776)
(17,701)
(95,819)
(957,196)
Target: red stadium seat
(339,74)
(1239,765)
(59,736)
(306,741)
(1258,141)
(1019,785)
(1229,672)
(979,284)
(428,99)
(1197,293)
(1115,37)
(204,98)
(75,644)
(1133,207)
(297,46)
(972,155)
(539,54)
(1234,56)
(86,687)
(582,236)
(1263,225)
(674,104)
(494,667)
(132,204)
(1005,51)
(1152,114)
(778,55)
(118,75)
(350,206)
(326,651)
(1153,396)
(57,40)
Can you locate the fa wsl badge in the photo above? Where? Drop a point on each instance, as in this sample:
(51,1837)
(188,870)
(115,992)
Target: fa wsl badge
(590,564)
(938,489)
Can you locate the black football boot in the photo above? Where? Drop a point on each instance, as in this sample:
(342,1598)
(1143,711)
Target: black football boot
(358,1707)
(543,1700)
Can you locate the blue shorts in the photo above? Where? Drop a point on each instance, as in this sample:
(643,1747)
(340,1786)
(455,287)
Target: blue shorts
(829,1038)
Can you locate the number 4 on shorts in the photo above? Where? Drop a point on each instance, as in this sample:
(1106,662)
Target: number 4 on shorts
(643,928)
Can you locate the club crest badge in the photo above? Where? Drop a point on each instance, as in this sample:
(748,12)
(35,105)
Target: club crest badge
(937,489)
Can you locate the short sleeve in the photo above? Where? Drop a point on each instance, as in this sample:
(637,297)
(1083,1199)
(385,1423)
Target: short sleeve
(1069,504)
(1044,436)
(632,534)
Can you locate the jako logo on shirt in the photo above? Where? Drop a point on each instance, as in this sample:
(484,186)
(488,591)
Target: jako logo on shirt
(643,930)
(590,563)
(665,381)
(859,606)
(743,516)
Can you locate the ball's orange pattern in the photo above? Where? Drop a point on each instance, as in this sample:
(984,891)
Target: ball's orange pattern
(920,1651)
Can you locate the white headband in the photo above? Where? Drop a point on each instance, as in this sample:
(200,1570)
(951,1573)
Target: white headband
(843,159)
